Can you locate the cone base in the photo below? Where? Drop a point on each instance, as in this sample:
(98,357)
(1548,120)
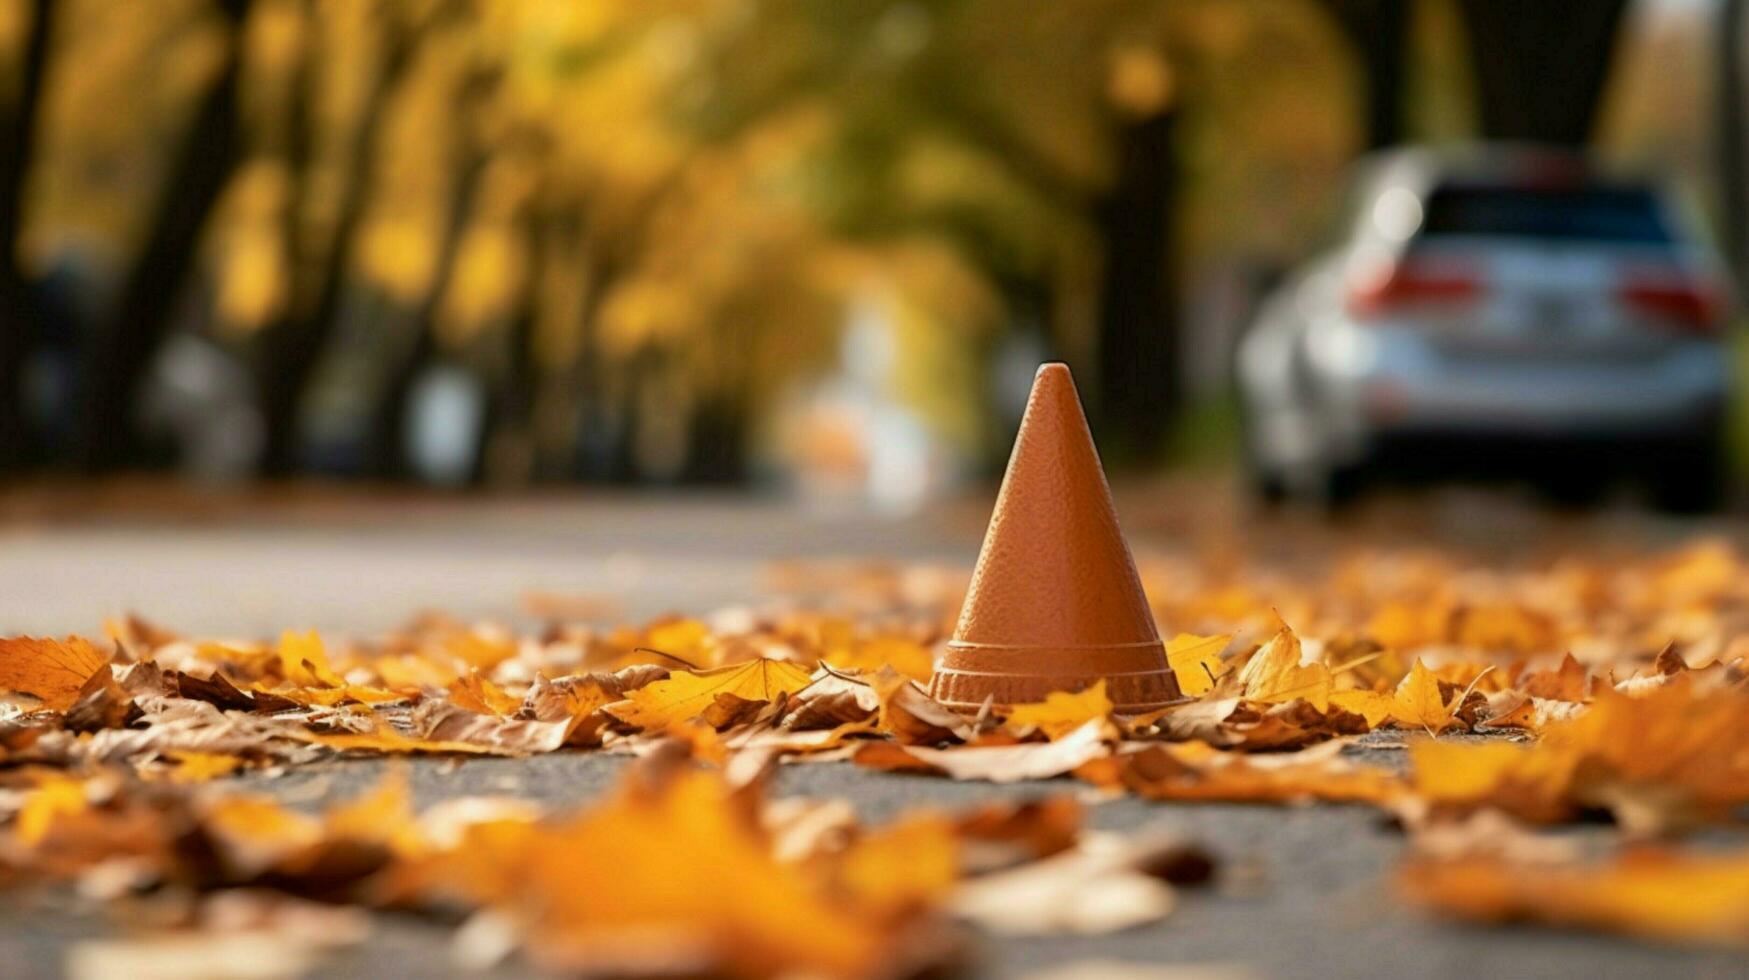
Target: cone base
(1136,676)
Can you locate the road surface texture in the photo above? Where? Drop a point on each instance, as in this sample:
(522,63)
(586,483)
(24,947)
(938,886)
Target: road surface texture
(1302,891)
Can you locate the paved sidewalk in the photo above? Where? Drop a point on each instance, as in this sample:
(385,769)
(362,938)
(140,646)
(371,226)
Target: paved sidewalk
(1304,891)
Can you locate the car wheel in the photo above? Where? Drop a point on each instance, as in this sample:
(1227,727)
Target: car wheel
(1268,488)
(1688,478)
(1338,486)
(1575,486)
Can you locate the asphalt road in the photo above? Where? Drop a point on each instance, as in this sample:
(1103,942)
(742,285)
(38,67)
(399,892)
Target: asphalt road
(1304,891)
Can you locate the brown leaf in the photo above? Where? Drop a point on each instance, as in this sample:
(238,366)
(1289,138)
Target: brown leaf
(444,723)
(218,691)
(53,671)
(1568,682)
(1668,895)
(912,717)
(1195,771)
(995,763)
(1102,884)
(685,695)
(1002,835)
(101,704)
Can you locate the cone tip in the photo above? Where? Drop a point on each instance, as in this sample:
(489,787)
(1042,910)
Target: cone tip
(1056,369)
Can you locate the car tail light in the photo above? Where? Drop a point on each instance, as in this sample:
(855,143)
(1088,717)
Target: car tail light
(1674,299)
(1414,281)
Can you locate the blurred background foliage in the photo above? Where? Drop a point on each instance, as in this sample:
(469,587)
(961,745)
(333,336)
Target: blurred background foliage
(509,241)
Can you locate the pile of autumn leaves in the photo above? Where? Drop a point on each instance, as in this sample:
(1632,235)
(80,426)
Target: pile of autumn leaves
(1614,690)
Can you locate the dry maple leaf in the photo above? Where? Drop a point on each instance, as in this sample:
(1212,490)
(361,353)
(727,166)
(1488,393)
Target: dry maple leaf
(1103,884)
(1063,712)
(1196,660)
(667,872)
(1419,704)
(442,723)
(198,767)
(53,671)
(475,693)
(995,763)
(911,864)
(1568,682)
(912,717)
(1676,754)
(303,660)
(685,695)
(1194,771)
(1515,709)
(905,656)
(1657,894)
(1274,674)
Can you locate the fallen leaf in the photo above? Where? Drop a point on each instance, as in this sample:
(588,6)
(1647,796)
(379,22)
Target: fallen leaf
(641,879)
(1274,674)
(475,693)
(912,717)
(1196,660)
(1194,771)
(1674,755)
(909,865)
(1419,704)
(1063,712)
(198,767)
(1674,896)
(1100,885)
(303,660)
(1376,707)
(53,671)
(685,695)
(443,723)
(1567,682)
(995,763)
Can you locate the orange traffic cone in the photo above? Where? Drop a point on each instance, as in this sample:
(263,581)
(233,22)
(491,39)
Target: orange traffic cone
(1055,603)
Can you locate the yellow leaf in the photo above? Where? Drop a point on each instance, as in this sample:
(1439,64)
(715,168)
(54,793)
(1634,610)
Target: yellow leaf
(384,815)
(1198,771)
(1062,712)
(1374,706)
(912,863)
(387,740)
(1197,661)
(254,833)
(1526,782)
(1654,893)
(683,639)
(198,767)
(685,695)
(304,660)
(477,694)
(1274,674)
(51,670)
(905,656)
(1418,702)
(655,860)
(52,800)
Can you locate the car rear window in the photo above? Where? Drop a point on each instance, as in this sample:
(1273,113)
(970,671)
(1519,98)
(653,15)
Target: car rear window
(1594,213)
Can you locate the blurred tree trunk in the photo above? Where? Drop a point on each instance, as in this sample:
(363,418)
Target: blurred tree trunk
(509,451)
(19,306)
(120,350)
(388,454)
(1378,30)
(1540,66)
(292,347)
(1733,175)
(1139,364)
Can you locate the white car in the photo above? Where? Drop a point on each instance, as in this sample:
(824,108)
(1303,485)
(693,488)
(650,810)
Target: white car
(1500,310)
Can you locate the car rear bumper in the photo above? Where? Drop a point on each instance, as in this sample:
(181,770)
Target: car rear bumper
(1411,391)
